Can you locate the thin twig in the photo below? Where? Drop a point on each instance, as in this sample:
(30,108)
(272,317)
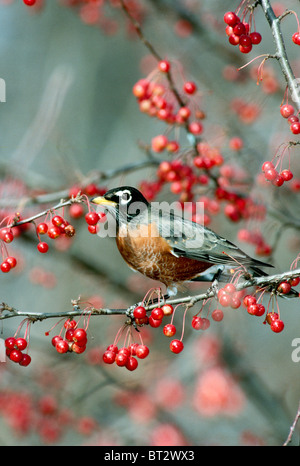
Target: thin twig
(293,427)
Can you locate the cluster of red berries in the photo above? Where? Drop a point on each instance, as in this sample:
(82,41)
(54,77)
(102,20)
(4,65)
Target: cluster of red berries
(54,229)
(287,111)
(253,307)
(9,263)
(156,319)
(7,236)
(125,356)
(77,210)
(275,177)
(93,219)
(155,100)
(228,296)
(239,33)
(255,238)
(14,350)
(75,339)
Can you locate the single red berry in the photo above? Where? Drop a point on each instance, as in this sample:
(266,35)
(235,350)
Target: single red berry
(271,317)
(12,261)
(255,38)
(121,359)
(253,309)
(6,234)
(245,49)
(217,315)
(132,349)
(139,312)
(93,229)
(287,175)
(197,322)
(296,38)
(233,39)
(239,29)
(154,322)
(25,361)
(184,113)
(167,309)
(267,166)
(230,288)
(79,335)
(76,210)
(294,281)
(277,326)
(62,346)
(21,343)
(195,127)
(142,351)
(53,232)
(76,348)
(112,348)
(169,330)
(10,343)
(271,174)
(70,334)
(70,323)
(190,87)
(55,339)
(295,127)
(205,323)
(92,218)
(16,355)
(57,220)
(261,310)
(245,41)
(176,346)
(287,110)
(42,228)
(248,300)
(278,181)
(157,313)
(131,363)
(42,247)
(109,357)
(159,143)
(231,18)
(5,267)
(284,287)
(29,2)
(164,66)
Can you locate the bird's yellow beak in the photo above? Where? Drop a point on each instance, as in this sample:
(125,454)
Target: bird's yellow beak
(100,200)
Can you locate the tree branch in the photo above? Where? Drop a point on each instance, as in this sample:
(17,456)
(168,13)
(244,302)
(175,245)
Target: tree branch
(271,282)
(281,53)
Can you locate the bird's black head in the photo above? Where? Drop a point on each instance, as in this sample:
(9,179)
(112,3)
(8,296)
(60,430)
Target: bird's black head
(124,202)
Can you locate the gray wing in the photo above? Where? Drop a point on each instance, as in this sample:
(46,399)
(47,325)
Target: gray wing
(194,241)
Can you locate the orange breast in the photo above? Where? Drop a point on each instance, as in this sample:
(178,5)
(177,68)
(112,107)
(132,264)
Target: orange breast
(145,251)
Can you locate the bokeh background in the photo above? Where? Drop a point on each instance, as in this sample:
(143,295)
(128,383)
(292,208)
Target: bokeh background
(69,70)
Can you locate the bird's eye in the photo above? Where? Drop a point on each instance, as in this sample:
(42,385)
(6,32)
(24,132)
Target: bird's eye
(125,197)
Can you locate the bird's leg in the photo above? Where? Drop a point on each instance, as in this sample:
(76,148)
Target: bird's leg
(214,287)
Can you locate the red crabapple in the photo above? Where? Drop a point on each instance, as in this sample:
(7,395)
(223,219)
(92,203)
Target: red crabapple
(176,346)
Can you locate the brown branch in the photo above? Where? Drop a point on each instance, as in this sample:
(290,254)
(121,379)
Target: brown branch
(271,282)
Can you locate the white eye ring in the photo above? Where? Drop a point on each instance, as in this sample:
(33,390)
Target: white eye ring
(121,194)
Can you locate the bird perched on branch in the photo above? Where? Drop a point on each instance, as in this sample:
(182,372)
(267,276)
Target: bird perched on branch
(167,247)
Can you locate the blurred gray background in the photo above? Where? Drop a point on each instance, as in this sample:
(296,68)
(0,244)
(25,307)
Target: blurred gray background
(70,111)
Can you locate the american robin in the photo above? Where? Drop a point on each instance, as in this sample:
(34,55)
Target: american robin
(169,248)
